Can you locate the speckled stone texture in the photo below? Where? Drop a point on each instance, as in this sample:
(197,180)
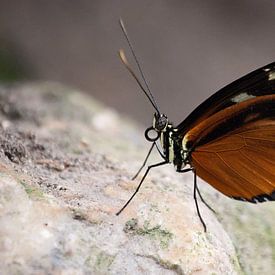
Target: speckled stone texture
(66,163)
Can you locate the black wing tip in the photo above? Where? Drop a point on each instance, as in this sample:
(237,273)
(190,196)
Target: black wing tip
(258,198)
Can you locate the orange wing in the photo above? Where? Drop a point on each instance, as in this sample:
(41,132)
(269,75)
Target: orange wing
(241,165)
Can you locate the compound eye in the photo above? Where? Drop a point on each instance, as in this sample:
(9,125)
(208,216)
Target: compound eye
(151,134)
(161,123)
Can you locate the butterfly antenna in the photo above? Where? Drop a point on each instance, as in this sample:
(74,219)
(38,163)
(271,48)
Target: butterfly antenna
(125,62)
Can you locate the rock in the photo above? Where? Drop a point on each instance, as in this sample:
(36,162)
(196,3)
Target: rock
(68,171)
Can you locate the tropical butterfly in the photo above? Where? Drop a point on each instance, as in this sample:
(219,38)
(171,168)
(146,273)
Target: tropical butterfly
(228,140)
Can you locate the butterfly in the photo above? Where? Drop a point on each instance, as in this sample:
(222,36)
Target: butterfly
(228,140)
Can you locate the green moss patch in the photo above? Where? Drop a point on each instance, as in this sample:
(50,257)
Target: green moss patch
(99,261)
(33,192)
(153,232)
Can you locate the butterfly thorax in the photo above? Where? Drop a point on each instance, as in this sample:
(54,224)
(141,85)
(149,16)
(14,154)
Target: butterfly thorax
(173,149)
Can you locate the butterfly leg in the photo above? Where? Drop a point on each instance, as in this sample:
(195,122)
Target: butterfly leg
(144,176)
(148,154)
(202,199)
(196,201)
(195,194)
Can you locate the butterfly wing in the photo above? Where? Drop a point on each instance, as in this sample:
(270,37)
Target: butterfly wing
(245,169)
(234,150)
(257,83)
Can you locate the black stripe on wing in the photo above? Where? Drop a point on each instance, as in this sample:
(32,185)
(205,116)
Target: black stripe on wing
(257,83)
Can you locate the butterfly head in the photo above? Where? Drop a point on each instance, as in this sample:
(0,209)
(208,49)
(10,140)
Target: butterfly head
(160,124)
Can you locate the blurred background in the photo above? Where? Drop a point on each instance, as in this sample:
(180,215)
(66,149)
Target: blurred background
(187,49)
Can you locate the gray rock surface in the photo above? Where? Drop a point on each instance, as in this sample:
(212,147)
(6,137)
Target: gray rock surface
(65,167)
